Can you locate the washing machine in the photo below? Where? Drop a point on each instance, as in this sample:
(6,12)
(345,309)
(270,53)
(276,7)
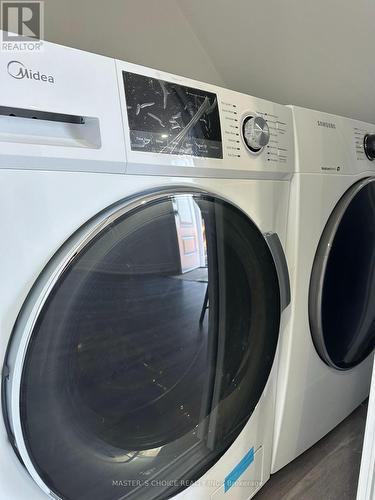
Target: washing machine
(325,354)
(143,280)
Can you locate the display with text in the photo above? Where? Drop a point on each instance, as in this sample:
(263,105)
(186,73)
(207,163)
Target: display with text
(166,117)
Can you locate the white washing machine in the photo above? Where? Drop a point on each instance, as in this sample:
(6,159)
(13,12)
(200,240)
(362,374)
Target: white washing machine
(143,218)
(325,356)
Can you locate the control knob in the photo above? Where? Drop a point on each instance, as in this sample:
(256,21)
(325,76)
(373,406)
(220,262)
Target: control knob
(255,132)
(369,145)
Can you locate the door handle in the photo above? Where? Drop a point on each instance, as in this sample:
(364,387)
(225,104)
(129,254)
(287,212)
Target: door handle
(274,244)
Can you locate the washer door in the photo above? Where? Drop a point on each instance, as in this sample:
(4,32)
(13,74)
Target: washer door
(151,350)
(342,286)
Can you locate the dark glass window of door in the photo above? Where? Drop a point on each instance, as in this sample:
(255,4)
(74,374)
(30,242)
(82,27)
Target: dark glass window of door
(151,352)
(342,287)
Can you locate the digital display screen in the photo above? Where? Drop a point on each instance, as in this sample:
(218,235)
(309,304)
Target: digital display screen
(169,118)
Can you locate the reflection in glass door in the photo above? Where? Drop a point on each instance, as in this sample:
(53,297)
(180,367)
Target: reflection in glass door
(190,234)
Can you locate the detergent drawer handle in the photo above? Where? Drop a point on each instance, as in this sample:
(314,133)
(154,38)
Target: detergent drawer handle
(40,127)
(41,115)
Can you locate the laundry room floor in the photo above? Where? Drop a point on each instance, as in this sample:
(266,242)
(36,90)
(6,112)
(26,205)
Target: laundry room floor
(329,470)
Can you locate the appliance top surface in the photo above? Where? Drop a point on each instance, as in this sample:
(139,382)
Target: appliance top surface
(330,144)
(97,114)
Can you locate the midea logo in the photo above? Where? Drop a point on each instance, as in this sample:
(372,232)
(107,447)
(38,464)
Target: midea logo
(19,71)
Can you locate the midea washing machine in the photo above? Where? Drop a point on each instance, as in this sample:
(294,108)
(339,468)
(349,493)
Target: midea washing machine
(325,357)
(143,280)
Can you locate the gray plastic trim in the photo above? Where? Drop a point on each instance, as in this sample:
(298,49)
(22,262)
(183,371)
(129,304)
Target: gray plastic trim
(274,244)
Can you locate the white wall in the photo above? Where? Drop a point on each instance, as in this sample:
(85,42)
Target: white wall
(312,53)
(316,53)
(154,33)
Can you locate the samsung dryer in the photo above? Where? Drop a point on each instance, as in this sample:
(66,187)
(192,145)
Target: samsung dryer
(325,357)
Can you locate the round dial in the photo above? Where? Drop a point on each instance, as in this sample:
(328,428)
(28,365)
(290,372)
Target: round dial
(369,145)
(256,133)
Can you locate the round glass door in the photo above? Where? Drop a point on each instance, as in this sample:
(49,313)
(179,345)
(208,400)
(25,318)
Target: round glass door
(342,286)
(151,352)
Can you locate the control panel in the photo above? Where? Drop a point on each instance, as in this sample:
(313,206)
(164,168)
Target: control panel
(258,131)
(177,126)
(333,144)
(124,118)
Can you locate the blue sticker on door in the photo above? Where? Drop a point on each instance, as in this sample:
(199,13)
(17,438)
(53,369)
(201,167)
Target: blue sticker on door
(240,468)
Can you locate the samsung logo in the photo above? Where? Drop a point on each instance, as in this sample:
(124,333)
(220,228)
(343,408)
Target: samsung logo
(326,124)
(19,71)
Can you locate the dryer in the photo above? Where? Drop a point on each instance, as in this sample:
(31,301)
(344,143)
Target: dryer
(325,356)
(143,221)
